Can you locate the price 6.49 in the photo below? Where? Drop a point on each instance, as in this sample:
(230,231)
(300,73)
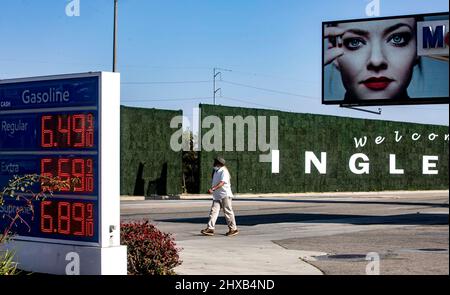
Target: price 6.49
(67,131)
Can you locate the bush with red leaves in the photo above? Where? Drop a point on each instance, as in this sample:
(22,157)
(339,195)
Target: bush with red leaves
(150,251)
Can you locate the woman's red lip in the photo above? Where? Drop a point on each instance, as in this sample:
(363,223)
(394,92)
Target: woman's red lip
(377,83)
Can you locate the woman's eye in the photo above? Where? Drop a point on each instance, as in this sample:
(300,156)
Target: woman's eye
(354,43)
(400,39)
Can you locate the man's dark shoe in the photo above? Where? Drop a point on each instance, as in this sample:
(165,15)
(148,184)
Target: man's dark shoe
(231,233)
(207,232)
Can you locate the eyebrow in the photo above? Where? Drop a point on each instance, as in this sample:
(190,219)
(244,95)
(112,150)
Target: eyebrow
(358,32)
(387,31)
(396,26)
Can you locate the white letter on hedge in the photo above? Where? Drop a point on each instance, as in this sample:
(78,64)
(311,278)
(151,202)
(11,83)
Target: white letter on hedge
(392,166)
(320,165)
(416,136)
(426,165)
(364,168)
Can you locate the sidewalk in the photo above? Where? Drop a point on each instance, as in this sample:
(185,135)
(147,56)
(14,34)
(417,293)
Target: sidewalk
(242,255)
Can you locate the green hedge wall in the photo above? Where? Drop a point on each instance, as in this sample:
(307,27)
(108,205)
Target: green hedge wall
(335,136)
(147,163)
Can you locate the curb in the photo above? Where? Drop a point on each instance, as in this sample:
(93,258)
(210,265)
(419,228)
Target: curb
(281,195)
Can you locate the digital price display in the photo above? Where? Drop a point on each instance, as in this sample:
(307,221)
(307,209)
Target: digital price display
(51,128)
(69,168)
(67,131)
(67,218)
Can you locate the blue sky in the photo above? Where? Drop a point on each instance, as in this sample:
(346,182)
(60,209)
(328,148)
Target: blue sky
(168,49)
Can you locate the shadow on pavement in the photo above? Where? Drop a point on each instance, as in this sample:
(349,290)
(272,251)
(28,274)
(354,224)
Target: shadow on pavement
(251,220)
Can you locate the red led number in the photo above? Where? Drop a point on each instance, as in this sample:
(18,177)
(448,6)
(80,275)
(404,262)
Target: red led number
(78,172)
(67,218)
(47,133)
(64,218)
(44,172)
(64,131)
(67,131)
(90,131)
(78,216)
(79,127)
(90,220)
(89,175)
(80,168)
(46,219)
(64,171)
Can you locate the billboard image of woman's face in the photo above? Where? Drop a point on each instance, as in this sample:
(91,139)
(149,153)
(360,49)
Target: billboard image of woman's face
(375,61)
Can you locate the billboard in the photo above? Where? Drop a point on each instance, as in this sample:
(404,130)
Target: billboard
(386,61)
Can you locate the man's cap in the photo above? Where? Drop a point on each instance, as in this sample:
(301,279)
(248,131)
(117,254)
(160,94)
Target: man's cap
(220,160)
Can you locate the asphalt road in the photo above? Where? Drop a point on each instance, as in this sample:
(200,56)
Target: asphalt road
(309,234)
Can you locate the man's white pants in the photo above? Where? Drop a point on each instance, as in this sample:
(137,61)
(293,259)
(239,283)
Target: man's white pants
(224,204)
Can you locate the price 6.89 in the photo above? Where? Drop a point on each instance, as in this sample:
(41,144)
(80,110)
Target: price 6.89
(65,218)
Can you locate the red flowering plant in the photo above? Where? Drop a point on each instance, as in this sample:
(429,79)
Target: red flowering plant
(150,251)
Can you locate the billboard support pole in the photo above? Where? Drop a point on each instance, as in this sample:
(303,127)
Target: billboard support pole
(362,110)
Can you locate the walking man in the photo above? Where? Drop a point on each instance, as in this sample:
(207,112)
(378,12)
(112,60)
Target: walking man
(222,195)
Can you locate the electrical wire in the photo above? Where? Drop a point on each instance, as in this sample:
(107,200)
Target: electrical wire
(252,103)
(273,77)
(164,99)
(269,90)
(165,82)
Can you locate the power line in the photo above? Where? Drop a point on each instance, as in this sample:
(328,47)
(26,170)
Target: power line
(274,77)
(163,99)
(269,90)
(252,103)
(166,67)
(104,65)
(164,82)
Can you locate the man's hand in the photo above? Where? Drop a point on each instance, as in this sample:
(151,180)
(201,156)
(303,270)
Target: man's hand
(219,185)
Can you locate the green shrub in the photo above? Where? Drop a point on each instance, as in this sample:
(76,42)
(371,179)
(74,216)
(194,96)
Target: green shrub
(7,264)
(150,251)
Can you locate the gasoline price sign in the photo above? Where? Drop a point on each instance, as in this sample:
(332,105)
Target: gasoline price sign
(51,127)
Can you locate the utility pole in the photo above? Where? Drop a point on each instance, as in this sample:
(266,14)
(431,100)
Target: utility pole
(215,74)
(115,38)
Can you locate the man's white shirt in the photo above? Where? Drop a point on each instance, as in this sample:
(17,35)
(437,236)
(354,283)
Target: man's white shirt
(225,191)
